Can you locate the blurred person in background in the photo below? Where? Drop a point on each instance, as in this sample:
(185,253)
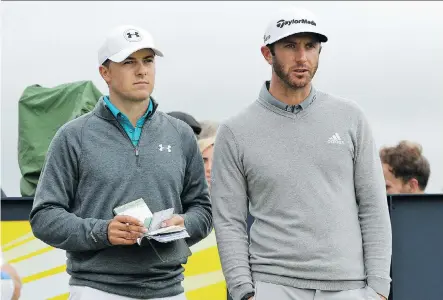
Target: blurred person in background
(405,168)
(208,129)
(206,140)
(206,146)
(188,119)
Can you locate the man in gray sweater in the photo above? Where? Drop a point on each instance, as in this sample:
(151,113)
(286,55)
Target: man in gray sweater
(305,164)
(125,149)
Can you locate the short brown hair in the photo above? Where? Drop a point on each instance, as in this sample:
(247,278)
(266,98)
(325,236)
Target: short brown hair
(106,63)
(407,162)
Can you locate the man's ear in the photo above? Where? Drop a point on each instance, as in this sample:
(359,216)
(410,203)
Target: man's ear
(105,72)
(413,185)
(266,52)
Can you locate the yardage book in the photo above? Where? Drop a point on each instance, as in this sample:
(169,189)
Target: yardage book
(152,221)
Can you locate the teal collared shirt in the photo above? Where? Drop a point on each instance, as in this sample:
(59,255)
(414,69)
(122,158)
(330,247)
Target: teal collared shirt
(132,132)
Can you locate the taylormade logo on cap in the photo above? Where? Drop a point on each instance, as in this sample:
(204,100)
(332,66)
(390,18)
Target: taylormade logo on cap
(291,21)
(282,23)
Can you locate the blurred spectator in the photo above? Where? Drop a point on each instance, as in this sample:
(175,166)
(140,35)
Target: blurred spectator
(188,119)
(11,284)
(206,146)
(208,129)
(405,169)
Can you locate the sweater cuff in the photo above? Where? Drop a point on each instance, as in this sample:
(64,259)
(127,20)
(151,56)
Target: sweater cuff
(381,285)
(192,228)
(99,233)
(239,292)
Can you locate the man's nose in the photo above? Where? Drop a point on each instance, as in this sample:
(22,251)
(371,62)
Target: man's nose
(142,69)
(301,55)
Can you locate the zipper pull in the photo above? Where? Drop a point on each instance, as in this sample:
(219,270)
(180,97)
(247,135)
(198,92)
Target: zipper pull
(136,151)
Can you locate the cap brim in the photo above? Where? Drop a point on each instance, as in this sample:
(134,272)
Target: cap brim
(321,37)
(196,129)
(122,55)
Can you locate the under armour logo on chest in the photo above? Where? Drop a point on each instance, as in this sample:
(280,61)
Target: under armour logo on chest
(133,35)
(161,148)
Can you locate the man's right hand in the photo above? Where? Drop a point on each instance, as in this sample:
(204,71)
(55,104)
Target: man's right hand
(125,230)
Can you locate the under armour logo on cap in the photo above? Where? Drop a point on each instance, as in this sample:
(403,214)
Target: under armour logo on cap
(133,35)
(124,40)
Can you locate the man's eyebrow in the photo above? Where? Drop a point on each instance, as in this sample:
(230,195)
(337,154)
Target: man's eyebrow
(296,41)
(148,56)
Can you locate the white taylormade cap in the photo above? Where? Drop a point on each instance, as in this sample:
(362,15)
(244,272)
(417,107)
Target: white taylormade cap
(124,40)
(291,21)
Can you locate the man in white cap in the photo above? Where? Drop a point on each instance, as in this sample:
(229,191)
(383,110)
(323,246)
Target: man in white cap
(305,164)
(124,150)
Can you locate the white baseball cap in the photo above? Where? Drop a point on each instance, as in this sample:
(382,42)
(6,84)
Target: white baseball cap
(124,40)
(291,21)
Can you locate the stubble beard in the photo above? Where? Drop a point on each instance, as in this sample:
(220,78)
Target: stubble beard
(285,76)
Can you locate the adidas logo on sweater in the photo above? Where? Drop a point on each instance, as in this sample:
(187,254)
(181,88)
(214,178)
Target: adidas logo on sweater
(335,139)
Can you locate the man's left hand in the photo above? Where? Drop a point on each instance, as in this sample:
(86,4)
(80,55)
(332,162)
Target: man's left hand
(175,220)
(382,297)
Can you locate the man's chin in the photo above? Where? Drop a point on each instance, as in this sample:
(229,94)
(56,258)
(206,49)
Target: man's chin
(140,97)
(299,84)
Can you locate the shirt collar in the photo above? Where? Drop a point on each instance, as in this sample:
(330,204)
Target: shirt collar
(265,95)
(116,112)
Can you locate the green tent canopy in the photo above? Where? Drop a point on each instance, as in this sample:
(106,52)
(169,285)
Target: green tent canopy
(42,111)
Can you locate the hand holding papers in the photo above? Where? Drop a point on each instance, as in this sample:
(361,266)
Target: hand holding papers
(138,209)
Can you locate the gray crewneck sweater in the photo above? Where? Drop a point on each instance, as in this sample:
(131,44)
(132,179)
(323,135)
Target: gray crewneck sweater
(313,181)
(92,167)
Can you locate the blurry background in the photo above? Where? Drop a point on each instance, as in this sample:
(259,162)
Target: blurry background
(387,56)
